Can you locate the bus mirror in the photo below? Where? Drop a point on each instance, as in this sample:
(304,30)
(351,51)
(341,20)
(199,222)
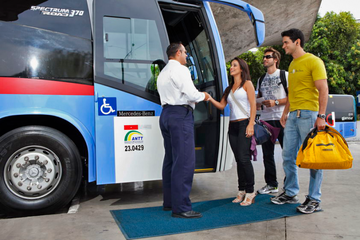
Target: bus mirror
(255,15)
(330,119)
(192,67)
(157,65)
(190,60)
(155,68)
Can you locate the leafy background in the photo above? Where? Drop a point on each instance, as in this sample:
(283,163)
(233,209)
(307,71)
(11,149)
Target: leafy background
(335,38)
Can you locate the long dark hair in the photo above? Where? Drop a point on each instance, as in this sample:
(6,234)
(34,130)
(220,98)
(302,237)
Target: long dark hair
(245,75)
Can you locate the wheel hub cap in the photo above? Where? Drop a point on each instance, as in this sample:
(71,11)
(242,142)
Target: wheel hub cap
(33,172)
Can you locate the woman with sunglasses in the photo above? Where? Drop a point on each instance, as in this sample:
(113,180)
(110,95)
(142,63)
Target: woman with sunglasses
(241,128)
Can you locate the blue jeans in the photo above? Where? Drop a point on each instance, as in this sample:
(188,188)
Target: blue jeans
(295,132)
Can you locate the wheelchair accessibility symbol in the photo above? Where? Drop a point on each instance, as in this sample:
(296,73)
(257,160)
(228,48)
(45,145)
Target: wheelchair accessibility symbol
(107,106)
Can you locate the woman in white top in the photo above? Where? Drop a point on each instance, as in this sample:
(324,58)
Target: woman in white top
(241,128)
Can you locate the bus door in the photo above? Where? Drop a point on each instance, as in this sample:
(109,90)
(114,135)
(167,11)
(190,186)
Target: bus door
(189,25)
(129,49)
(341,114)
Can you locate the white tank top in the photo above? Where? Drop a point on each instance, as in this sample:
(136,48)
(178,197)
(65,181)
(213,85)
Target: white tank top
(235,112)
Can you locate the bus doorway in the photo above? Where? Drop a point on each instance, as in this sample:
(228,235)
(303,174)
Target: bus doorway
(187,25)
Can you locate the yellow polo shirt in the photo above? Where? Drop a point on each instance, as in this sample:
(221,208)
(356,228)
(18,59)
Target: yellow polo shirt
(303,72)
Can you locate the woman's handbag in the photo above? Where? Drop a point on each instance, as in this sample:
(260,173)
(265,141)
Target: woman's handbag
(261,132)
(325,149)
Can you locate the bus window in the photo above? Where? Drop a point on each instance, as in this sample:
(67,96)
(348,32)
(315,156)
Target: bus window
(42,54)
(58,15)
(134,44)
(341,114)
(129,42)
(200,48)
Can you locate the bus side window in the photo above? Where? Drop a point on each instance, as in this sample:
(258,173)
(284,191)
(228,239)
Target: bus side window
(130,48)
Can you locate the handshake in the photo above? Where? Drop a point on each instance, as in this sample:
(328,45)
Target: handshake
(207,96)
(219,105)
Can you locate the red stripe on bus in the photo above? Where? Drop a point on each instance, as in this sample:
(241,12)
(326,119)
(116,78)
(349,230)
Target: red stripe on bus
(9,85)
(131,127)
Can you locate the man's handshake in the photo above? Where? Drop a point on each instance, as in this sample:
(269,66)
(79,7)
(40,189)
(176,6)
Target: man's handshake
(207,96)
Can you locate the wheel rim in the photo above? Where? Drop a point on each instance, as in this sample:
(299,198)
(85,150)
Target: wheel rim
(33,172)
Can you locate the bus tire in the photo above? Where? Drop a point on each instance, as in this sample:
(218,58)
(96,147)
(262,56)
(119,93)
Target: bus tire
(40,169)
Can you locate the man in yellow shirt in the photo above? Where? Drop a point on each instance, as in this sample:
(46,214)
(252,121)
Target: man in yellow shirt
(305,109)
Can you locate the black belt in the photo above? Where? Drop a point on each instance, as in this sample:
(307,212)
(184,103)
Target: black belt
(185,106)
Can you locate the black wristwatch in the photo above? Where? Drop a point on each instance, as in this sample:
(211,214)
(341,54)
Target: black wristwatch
(322,116)
(276,102)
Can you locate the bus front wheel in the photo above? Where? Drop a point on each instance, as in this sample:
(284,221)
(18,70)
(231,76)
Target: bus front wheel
(40,169)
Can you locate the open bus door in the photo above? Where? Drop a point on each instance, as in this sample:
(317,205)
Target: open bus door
(129,50)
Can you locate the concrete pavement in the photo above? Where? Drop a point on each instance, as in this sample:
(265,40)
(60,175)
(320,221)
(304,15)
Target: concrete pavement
(339,220)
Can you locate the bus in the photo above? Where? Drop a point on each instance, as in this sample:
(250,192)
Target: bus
(78,93)
(341,114)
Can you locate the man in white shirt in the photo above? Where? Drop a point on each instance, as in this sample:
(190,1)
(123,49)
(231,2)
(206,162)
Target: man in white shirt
(274,92)
(178,96)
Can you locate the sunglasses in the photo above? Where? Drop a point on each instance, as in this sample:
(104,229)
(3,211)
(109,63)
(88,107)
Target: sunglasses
(268,56)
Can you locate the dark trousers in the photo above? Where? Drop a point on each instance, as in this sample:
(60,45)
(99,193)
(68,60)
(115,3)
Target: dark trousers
(268,154)
(240,146)
(177,128)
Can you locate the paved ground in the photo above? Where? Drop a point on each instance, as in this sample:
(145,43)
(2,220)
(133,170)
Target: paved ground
(339,220)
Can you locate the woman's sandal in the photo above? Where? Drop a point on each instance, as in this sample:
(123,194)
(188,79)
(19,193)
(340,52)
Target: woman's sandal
(249,199)
(239,197)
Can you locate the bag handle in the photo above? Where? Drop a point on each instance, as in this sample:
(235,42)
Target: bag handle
(239,104)
(314,132)
(311,134)
(333,130)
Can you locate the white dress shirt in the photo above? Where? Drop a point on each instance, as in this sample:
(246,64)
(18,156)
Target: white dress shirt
(176,87)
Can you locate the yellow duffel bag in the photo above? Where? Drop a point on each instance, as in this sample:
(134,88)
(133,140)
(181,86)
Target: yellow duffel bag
(325,149)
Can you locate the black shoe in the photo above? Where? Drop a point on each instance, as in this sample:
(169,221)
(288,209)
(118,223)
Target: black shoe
(167,208)
(189,214)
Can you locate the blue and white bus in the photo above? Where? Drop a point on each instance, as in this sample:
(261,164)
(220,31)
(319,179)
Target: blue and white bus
(78,93)
(341,114)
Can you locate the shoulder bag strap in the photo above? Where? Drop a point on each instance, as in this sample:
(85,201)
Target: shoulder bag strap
(238,104)
(260,82)
(283,81)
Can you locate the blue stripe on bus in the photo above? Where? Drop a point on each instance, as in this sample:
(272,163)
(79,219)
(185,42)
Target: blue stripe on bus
(77,110)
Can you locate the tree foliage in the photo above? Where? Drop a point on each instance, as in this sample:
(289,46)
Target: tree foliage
(255,62)
(335,38)
(253,59)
